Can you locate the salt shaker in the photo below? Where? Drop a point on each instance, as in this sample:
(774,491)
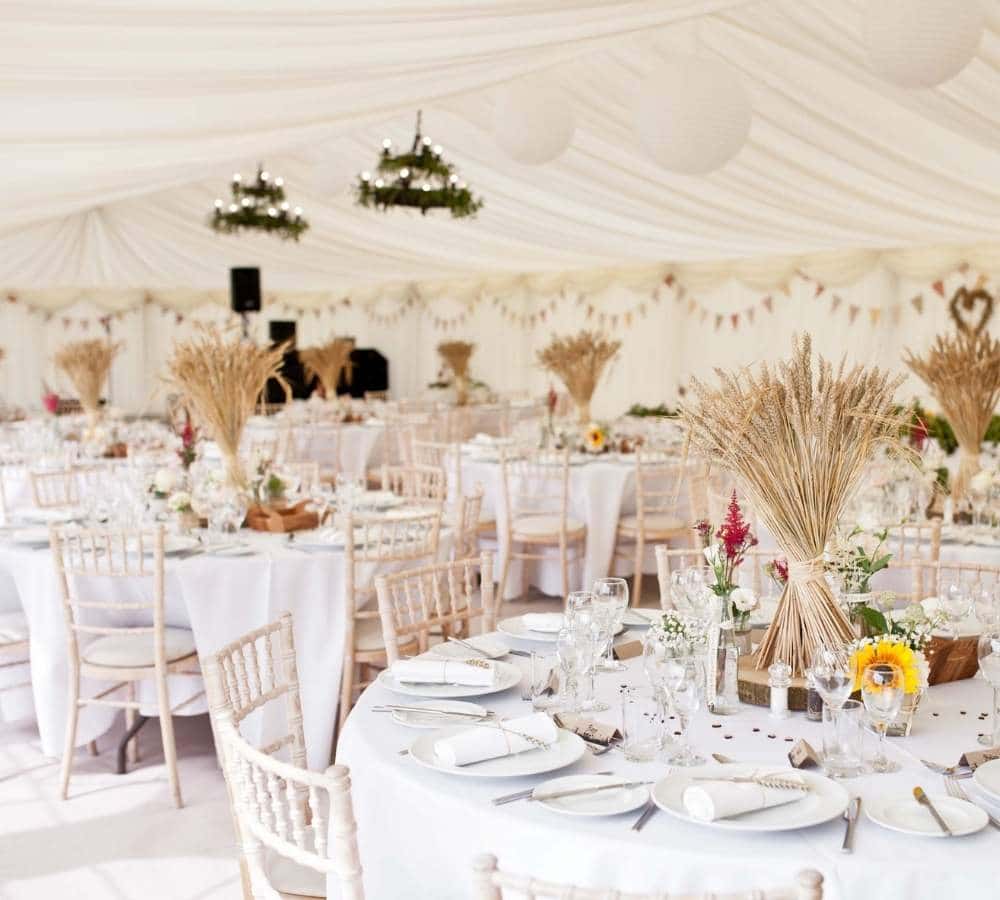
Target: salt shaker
(779,676)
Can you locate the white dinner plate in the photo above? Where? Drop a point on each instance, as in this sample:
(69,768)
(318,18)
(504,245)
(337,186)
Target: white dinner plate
(899,811)
(178,543)
(508,675)
(490,647)
(515,627)
(412,719)
(564,752)
(60,515)
(987,777)
(379,500)
(35,536)
(825,800)
(612,802)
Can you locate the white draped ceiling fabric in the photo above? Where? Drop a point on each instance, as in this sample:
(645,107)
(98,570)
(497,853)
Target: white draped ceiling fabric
(122,120)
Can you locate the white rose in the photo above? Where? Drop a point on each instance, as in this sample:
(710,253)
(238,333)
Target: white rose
(164,481)
(713,552)
(180,500)
(931,606)
(744,600)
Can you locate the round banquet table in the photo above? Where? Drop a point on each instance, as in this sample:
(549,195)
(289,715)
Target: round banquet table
(600,492)
(220,598)
(318,443)
(418,830)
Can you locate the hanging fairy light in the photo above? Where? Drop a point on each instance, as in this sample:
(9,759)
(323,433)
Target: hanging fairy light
(259,205)
(419,179)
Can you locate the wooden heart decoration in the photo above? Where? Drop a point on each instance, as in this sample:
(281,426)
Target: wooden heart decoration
(962,308)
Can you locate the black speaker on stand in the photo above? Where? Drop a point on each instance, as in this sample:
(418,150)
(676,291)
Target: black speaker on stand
(244,294)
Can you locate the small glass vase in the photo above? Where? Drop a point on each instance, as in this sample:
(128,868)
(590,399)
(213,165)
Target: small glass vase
(852,603)
(727,661)
(743,633)
(904,721)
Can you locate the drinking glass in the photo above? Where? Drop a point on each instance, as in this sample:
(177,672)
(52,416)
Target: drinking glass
(986,601)
(577,601)
(611,594)
(592,633)
(641,725)
(843,736)
(989,665)
(882,689)
(956,604)
(685,680)
(832,675)
(542,667)
(567,655)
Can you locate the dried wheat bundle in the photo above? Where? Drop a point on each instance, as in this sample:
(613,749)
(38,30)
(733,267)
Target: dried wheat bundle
(579,361)
(799,440)
(963,373)
(87,364)
(327,361)
(220,379)
(456,355)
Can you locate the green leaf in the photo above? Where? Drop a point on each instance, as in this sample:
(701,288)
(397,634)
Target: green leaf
(874,620)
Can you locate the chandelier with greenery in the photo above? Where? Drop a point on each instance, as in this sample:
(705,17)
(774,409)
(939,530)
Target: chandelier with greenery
(259,205)
(420,179)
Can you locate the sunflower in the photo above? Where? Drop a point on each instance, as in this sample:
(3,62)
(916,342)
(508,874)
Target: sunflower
(887,650)
(595,438)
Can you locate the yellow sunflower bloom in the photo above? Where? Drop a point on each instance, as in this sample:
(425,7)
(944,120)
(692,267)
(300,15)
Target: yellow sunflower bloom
(886,651)
(595,439)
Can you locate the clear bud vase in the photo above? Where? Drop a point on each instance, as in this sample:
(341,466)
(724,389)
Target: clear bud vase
(727,663)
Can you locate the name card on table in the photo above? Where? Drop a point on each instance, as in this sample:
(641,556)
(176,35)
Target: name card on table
(975,758)
(588,729)
(802,755)
(628,650)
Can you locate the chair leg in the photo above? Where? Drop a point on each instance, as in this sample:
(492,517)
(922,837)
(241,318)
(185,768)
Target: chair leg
(504,569)
(71,722)
(346,690)
(640,552)
(564,559)
(130,714)
(167,732)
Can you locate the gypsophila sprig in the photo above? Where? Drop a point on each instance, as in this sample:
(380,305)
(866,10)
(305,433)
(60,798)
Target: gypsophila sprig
(680,633)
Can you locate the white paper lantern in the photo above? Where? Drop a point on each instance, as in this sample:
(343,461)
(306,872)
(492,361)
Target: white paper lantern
(533,122)
(921,43)
(693,114)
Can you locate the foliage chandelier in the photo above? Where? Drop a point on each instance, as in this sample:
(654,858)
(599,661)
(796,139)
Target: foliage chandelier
(259,206)
(420,179)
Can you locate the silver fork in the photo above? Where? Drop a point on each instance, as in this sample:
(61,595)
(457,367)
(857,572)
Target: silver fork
(948,771)
(956,790)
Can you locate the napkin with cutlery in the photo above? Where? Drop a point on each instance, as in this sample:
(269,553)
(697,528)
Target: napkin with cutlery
(493,740)
(425,670)
(545,622)
(707,801)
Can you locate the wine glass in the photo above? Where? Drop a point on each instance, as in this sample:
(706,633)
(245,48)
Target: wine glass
(989,665)
(956,604)
(684,680)
(882,690)
(592,633)
(986,601)
(577,601)
(567,653)
(832,675)
(611,595)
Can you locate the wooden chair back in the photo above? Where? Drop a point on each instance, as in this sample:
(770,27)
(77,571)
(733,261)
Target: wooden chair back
(55,488)
(535,484)
(441,595)
(930,579)
(468,514)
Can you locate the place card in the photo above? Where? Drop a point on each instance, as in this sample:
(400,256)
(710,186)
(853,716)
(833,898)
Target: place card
(628,650)
(975,758)
(803,756)
(588,729)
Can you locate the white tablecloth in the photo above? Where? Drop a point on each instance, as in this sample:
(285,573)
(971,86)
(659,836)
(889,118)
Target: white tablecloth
(220,599)
(418,830)
(317,443)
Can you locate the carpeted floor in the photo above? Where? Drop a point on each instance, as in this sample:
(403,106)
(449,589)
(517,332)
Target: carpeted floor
(119,837)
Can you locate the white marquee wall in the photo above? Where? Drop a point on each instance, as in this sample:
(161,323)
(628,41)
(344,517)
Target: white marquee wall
(661,350)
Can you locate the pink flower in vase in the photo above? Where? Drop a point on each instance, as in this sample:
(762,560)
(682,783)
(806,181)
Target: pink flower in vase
(50,401)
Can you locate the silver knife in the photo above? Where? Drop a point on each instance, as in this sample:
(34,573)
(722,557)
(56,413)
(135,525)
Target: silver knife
(624,785)
(647,814)
(851,818)
(522,795)
(924,800)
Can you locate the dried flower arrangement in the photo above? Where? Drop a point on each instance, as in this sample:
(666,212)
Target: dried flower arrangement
(327,361)
(579,361)
(456,355)
(87,364)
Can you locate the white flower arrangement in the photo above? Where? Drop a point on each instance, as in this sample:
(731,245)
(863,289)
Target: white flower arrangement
(164,482)
(179,502)
(744,600)
(679,633)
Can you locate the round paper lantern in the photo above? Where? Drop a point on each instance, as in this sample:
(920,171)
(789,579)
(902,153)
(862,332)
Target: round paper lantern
(533,123)
(921,43)
(693,114)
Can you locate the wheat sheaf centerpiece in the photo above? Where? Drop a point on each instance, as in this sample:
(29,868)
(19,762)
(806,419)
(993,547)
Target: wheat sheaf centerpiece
(963,373)
(579,361)
(326,362)
(220,379)
(798,438)
(456,356)
(87,364)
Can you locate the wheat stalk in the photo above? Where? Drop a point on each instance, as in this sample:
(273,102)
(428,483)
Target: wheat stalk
(799,439)
(87,363)
(327,361)
(220,380)
(963,373)
(579,361)
(456,355)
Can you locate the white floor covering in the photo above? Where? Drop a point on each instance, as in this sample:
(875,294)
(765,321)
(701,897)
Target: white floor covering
(117,837)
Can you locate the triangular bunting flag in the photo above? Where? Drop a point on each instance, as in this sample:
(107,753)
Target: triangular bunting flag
(819,289)
(837,300)
(939,287)
(875,313)
(718,320)
(918,303)
(669,280)
(704,316)
(735,319)
(768,303)
(852,313)
(750,314)
(692,306)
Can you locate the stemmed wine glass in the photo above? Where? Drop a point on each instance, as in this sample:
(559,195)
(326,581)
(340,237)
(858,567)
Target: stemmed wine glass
(611,597)
(986,601)
(882,690)
(831,675)
(684,682)
(956,603)
(989,665)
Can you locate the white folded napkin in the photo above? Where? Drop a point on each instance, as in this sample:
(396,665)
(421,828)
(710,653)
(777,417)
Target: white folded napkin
(474,673)
(454,650)
(708,801)
(546,622)
(496,739)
